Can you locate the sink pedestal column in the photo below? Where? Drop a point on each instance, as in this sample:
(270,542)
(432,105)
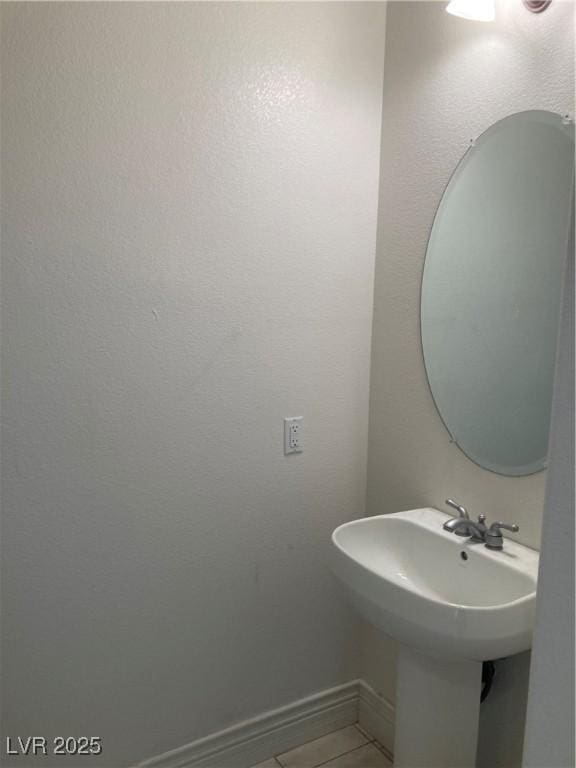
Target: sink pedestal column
(437,711)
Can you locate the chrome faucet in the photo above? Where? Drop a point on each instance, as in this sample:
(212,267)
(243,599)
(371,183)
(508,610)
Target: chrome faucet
(454,525)
(477,531)
(462,511)
(461,527)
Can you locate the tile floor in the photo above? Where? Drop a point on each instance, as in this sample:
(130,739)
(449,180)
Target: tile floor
(350,747)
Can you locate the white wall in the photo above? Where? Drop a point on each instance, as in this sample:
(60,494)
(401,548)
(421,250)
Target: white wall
(190,200)
(550,716)
(446,80)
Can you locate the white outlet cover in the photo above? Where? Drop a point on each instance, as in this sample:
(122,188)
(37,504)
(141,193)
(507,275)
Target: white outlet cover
(293,434)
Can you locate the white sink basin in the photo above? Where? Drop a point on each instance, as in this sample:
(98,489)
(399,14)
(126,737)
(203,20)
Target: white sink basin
(435,591)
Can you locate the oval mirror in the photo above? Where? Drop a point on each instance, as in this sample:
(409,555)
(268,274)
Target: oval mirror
(491,290)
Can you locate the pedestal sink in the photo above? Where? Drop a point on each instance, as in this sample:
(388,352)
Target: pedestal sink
(451,604)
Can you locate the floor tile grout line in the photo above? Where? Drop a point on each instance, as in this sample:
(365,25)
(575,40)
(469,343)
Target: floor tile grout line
(364,735)
(336,757)
(373,740)
(389,755)
(364,732)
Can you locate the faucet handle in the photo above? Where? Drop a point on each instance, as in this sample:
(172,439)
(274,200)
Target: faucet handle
(494,538)
(462,511)
(495,527)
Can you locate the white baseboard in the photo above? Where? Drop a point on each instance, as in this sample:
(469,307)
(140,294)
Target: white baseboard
(376,715)
(279,730)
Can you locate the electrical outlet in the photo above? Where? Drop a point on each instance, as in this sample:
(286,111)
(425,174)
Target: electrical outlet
(293,435)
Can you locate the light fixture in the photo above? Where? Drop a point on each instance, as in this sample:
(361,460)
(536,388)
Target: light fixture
(475,10)
(484,10)
(536,6)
